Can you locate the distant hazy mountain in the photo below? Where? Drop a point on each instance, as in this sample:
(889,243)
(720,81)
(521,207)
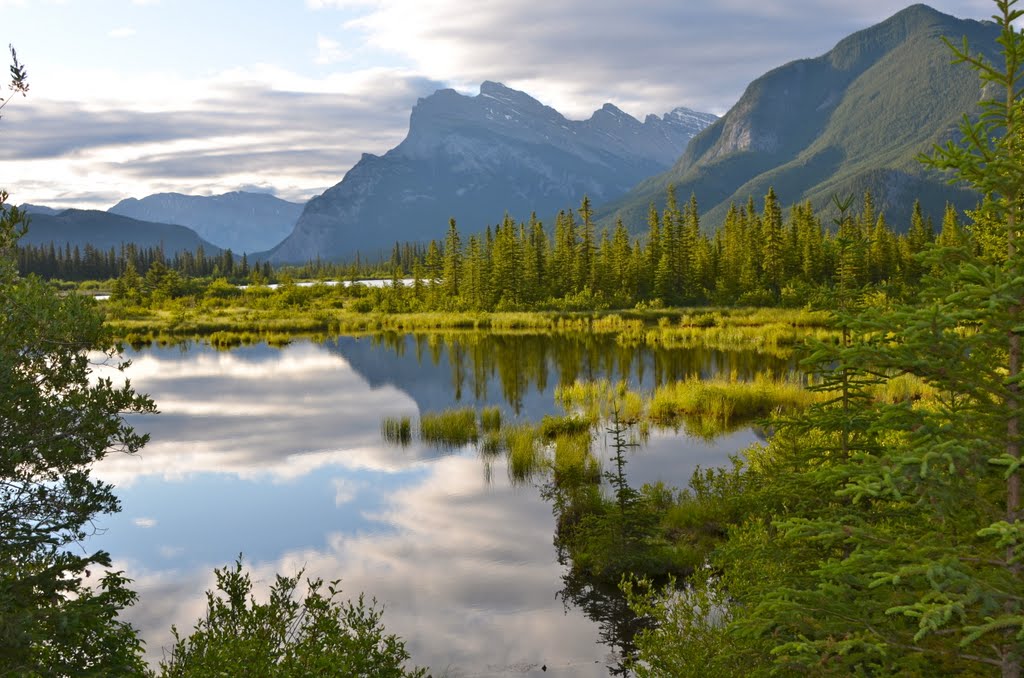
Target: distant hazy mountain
(240,221)
(474,158)
(104,230)
(39,209)
(852,119)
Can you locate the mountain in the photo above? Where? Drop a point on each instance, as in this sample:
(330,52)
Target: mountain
(104,230)
(239,221)
(474,158)
(38,209)
(852,120)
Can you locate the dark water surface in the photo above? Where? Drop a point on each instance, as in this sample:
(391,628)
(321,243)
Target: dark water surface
(277,454)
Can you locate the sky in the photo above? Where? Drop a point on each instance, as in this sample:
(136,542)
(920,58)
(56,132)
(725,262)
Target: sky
(134,97)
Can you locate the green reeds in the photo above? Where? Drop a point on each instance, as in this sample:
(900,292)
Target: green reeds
(490,419)
(552,427)
(903,388)
(574,462)
(601,400)
(708,408)
(450,428)
(723,402)
(397,430)
(524,454)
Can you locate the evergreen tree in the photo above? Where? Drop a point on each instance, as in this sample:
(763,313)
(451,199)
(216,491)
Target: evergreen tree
(451,273)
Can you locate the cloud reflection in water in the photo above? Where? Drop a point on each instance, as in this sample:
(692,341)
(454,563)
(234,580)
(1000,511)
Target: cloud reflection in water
(277,454)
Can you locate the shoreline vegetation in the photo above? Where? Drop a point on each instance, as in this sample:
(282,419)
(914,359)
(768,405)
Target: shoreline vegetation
(773,330)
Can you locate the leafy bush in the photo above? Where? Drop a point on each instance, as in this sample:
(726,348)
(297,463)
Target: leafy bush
(317,636)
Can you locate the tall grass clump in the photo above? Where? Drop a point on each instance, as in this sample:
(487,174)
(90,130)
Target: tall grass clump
(450,428)
(903,388)
(524,454)
(490,419)
(397,430)
(601,400)
(574,462)
(551,427)
(719,403)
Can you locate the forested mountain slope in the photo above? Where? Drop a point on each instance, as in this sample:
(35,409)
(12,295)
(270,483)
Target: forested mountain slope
(851,120)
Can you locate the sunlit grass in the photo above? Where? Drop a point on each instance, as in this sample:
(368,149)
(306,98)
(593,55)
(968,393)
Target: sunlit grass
(903,388)
(707,407)
(724,401)
(574,461)
(490,419)
(524,453)
(450,428)
(552,427)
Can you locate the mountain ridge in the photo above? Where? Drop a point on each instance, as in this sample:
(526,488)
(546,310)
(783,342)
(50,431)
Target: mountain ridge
(850,120)
(241,221)
(103,230)
(474,158)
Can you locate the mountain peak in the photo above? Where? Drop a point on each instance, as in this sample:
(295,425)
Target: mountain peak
(614,110)
(473,158)
(495,88)
(852,119)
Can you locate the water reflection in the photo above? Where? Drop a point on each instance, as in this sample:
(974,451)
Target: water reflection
(276,453)
(520,371)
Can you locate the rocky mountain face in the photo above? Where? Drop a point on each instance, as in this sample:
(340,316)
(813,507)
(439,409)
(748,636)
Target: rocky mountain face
(103,230)
(239,221)
(476,158)
(851,120)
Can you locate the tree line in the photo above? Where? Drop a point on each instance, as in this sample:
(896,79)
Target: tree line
(757,257)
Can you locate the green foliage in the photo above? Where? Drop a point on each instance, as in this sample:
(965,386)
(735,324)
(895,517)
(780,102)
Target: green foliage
(886,532)
(450,428)
(319,635)
(849,121)
(490,419)
(56,421)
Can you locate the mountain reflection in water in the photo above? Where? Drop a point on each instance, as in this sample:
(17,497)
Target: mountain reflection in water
(277,454)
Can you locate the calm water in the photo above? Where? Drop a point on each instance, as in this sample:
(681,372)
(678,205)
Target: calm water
(277,454)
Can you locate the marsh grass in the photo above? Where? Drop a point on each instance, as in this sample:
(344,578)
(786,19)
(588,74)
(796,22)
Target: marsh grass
(327,310)
(707,407)
(574,461)
(903,388)
(551,427)
(397,430)
(525,454)
(723,402)
(490,419)
(450,428)
(601,400)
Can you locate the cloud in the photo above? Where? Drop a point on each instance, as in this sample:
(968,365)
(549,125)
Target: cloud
(346,490)
(646,56)
(348,84)
(232,134)
(328,51)
(217,416)
(125,32)
(458,553)
(144,522)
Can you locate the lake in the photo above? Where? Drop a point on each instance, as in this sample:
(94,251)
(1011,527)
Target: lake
(276,453)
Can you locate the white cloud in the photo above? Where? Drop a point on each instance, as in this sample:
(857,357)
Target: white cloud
(144,523)
(328,51)
(288,123)
(123,32)
(245,127)
(346,490)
